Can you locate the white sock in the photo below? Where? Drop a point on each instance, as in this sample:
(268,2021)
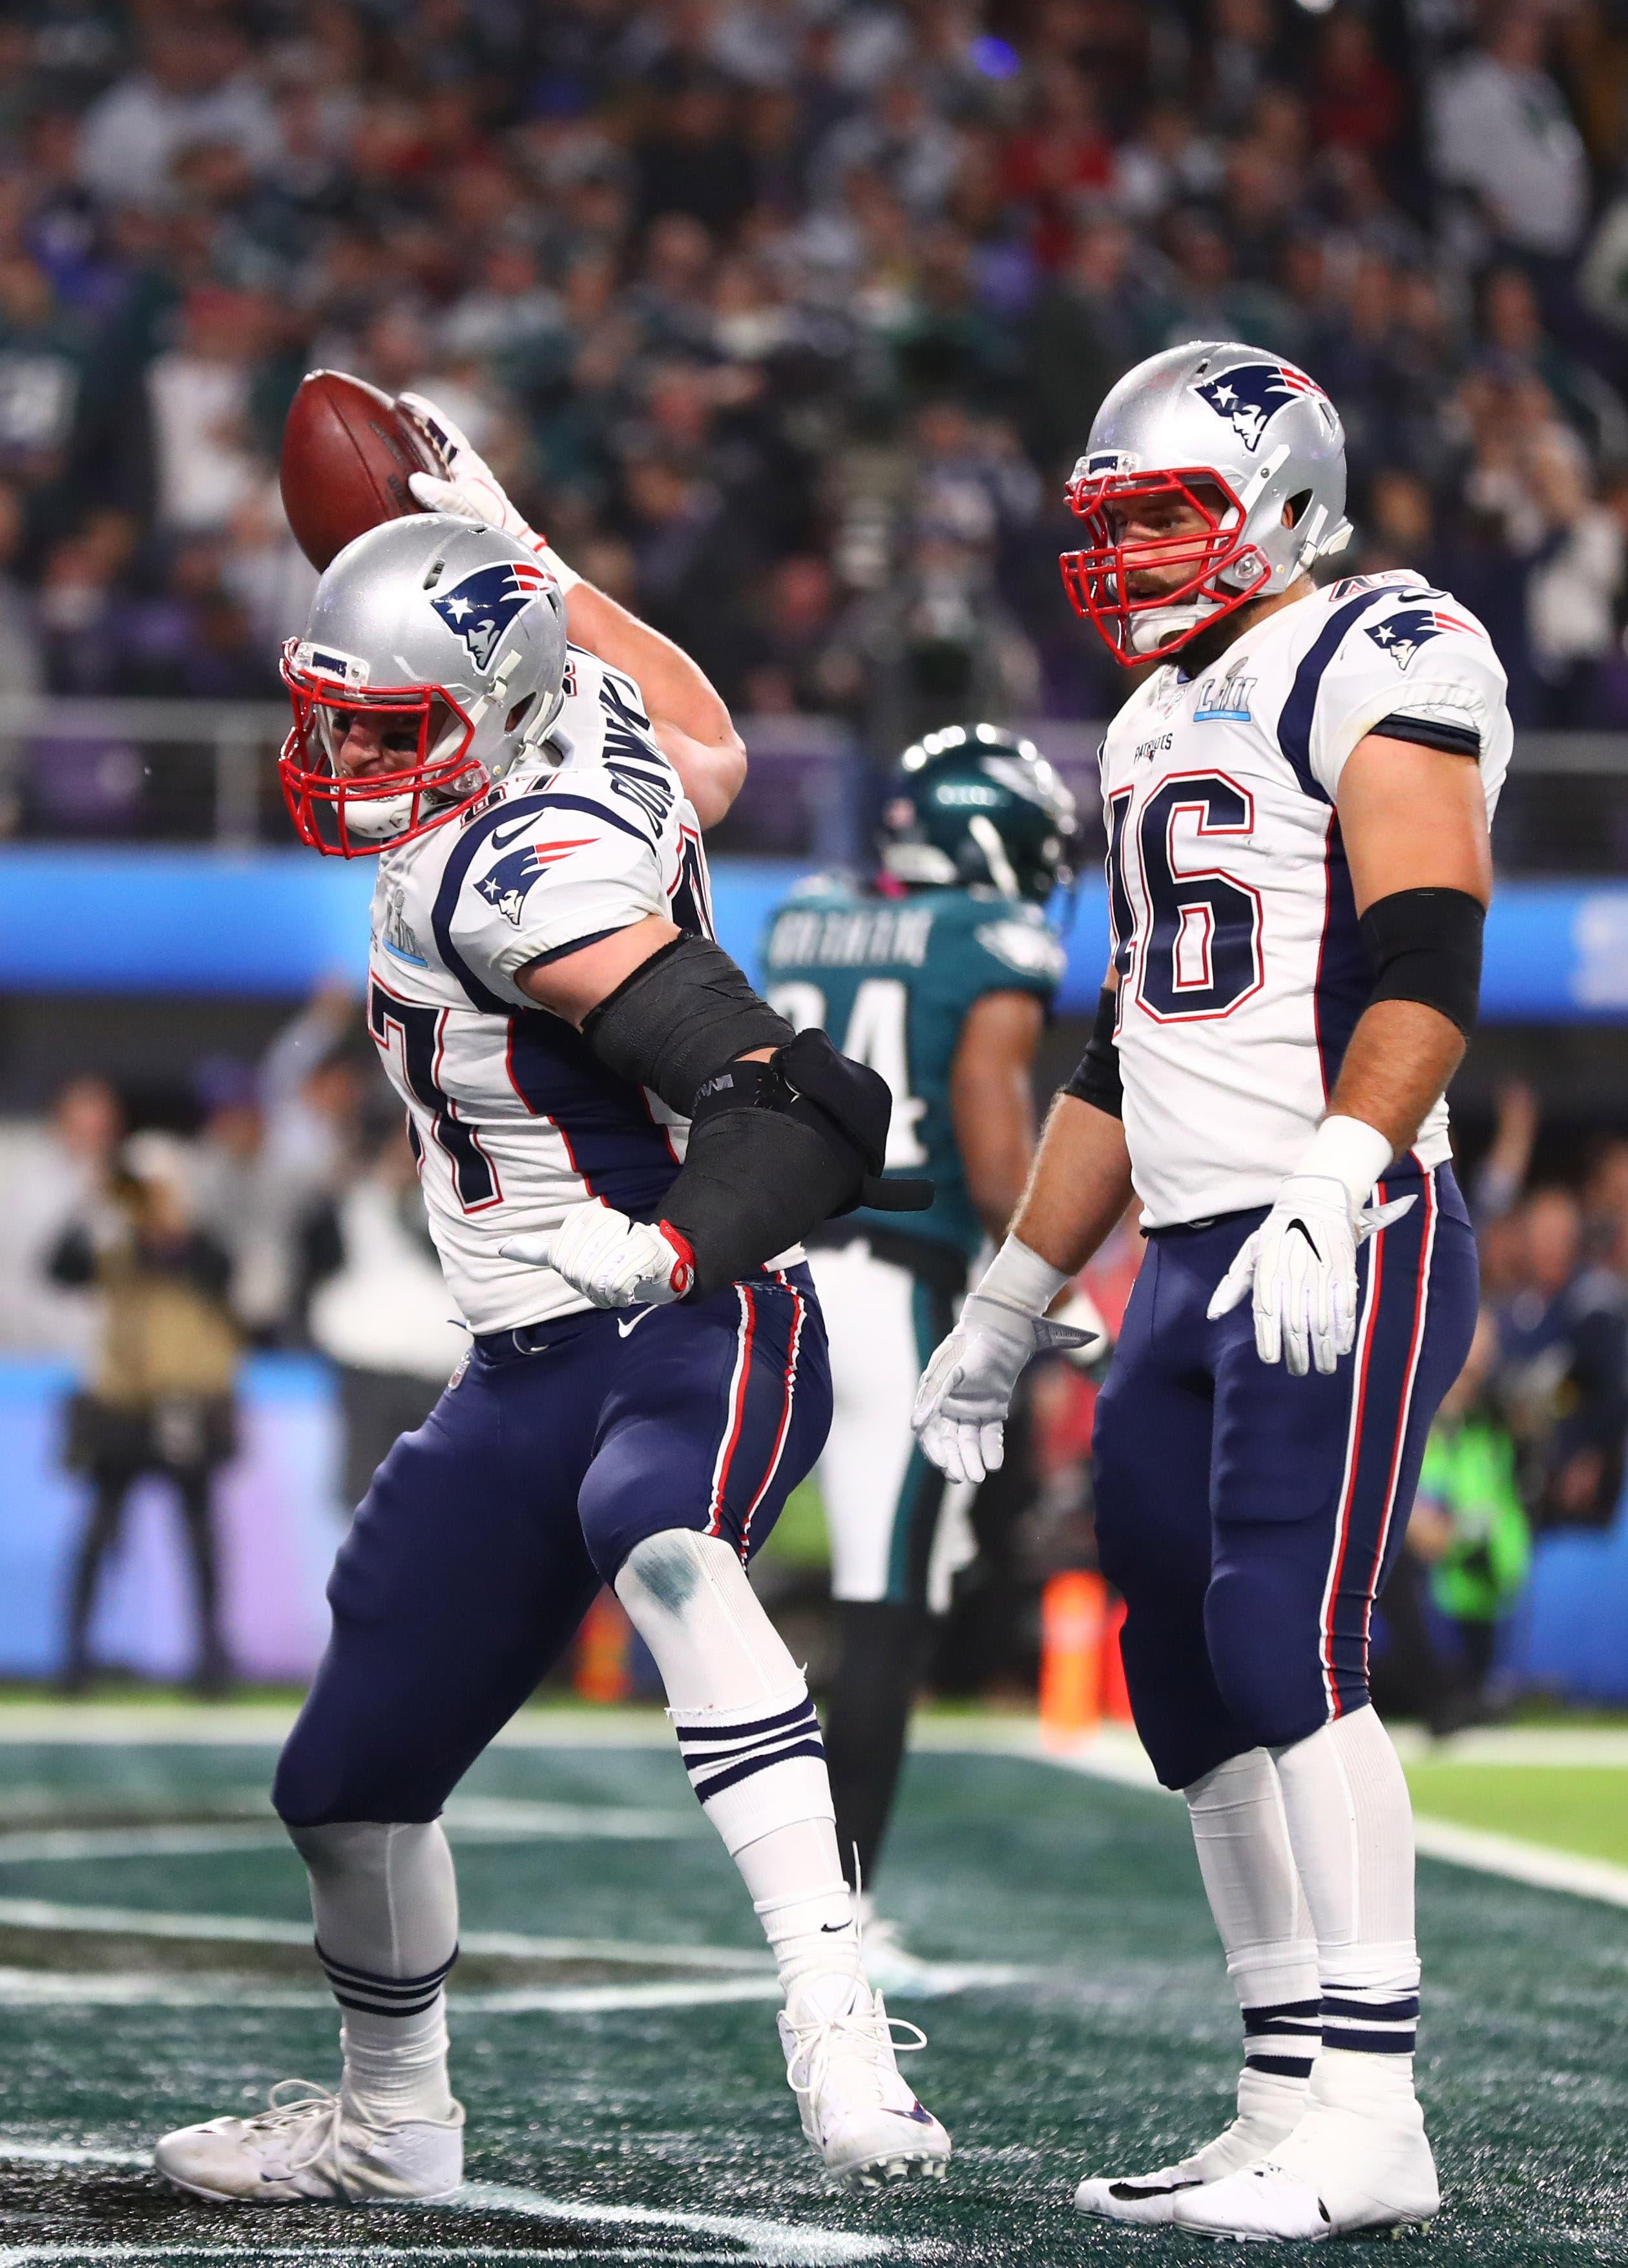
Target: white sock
(750,1742)
(385,1901)
(1351,1826)
(1242,1840)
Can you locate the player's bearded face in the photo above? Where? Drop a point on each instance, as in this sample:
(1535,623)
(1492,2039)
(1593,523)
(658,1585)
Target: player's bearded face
(370,747)
(1147,529)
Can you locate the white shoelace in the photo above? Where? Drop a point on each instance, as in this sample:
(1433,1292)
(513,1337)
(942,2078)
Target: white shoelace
(818,2041)
(315,2106)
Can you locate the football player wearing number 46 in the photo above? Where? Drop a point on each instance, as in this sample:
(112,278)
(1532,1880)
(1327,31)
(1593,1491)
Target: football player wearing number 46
(621,1148)
(1298,802)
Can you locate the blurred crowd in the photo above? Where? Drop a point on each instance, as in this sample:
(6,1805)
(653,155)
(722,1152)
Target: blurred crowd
(786,318)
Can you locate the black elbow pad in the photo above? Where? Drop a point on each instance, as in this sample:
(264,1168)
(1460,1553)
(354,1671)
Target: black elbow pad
(777,1147)
(1097,1080)
(1426,945)
(678,1018)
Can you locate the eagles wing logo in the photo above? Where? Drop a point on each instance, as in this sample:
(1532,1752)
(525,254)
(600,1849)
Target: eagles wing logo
(1401,635)
(507,885)
(1250,397)
(481,607)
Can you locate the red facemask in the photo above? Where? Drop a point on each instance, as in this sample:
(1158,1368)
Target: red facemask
(1096,578)
(348,818)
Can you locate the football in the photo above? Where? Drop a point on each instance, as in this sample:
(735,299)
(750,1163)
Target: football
(347,452)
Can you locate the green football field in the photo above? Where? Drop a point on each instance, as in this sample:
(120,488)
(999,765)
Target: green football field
(613,2037)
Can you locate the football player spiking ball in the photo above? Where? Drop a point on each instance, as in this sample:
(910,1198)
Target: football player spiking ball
(621,1148)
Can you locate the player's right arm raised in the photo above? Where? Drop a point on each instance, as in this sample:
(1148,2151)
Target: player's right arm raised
(1077,1188)
(688,716)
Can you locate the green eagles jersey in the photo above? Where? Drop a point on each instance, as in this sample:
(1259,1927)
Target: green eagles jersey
(891,980)
(1470,1472)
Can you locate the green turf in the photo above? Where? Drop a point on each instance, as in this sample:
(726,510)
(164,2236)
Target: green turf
(1116,2053)
(1580,1808)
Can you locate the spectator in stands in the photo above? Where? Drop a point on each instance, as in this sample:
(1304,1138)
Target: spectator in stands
(1469,1531)
(20,656)
(50,1172)
(1502,136)
(159,1399)
(1563,1375)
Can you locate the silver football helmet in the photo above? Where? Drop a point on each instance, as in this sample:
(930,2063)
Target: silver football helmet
(446,640)
(1255,452)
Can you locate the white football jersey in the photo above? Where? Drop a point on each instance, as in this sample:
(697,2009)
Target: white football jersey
(513,1117)
(1241,970)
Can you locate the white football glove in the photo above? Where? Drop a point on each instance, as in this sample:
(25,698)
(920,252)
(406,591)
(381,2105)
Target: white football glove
(1301,1262)
(611,1261)
(960,1405)
(471,489)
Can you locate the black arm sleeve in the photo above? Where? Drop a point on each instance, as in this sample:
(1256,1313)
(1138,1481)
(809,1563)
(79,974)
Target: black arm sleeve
(1097,1080)
(776,1147)
(1426,945)
(682,1016)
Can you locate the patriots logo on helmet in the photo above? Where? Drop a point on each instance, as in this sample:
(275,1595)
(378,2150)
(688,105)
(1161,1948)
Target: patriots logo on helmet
(1401,635)
(1250,397)
(481,607)
(509,882)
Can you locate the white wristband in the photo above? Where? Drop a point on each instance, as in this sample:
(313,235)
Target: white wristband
(1021,1279)
(567,578)
(1350,1151)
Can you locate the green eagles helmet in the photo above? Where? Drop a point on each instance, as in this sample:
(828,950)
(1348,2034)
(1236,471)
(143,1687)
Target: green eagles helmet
(974,805)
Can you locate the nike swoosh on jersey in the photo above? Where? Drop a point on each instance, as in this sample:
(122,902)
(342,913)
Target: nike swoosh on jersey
(624,1330)
(500,837)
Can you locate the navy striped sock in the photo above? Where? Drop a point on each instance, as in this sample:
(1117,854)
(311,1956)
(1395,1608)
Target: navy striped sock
(1282,2040)
(384,1996)
(717,1756)
(1369,2019)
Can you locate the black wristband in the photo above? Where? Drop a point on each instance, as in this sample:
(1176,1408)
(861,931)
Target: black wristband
(1426,945)
(1097,1080)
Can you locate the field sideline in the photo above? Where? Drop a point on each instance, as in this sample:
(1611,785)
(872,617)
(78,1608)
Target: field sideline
(613,2012)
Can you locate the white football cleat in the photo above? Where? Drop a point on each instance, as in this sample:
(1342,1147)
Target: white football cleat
(1340,2172)
(862,2121)
(1270,2106)
(307,2145)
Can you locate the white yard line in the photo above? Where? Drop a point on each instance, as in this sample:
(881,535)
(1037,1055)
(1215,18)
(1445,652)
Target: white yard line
(1538,1864)
(247,1929)
(365,2256)
(49,1988)
(773,2244)
(473,1819)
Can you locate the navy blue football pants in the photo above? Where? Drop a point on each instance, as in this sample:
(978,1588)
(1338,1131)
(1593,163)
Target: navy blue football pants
(1248,1518)
(486,1534)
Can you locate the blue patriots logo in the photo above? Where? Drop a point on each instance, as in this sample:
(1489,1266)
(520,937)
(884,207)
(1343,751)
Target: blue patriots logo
(1250,397)
(507,884)
(481,607)
(1401,635)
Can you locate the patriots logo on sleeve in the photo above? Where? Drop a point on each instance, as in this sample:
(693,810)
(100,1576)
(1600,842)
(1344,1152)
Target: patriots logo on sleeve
(1401,635)
(481,607)
(506,885)
(1250,397)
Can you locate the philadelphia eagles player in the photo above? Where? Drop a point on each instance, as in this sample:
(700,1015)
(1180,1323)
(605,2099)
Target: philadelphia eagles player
(1299,795)
(939,975)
